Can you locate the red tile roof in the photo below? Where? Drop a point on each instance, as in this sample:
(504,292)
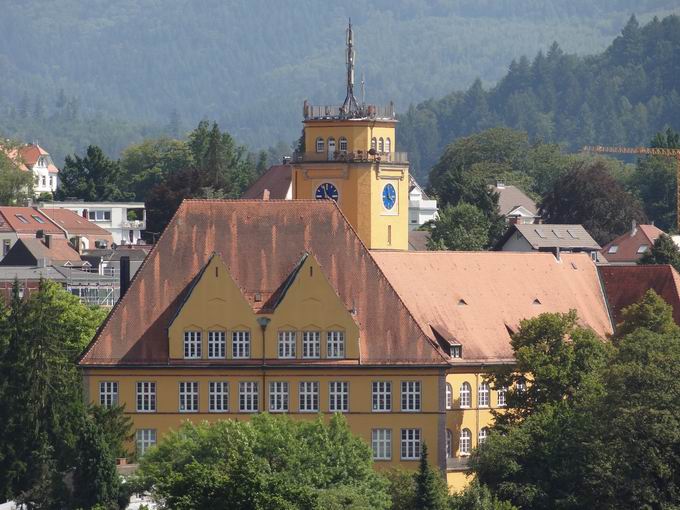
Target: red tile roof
(28,155)
(629,243)
(626,285)
(74,223)
(10,222)
(261,242)
(277,180)
(476,297)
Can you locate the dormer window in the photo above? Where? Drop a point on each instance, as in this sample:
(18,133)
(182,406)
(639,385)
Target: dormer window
(319,144)
(342,144)
(456,351)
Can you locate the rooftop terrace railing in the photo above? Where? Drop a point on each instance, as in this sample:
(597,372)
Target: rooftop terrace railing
(352,157)
(334,112)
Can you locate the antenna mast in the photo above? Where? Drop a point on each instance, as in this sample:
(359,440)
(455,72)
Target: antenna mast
(350,108)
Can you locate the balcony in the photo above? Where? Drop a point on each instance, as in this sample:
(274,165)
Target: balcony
(332,112)
(134,224)
(457,463)
(351,157)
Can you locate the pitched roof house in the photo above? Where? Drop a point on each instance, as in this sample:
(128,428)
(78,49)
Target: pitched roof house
(87,233)
(629,247)
(547,237)
(515,205)
(35,159)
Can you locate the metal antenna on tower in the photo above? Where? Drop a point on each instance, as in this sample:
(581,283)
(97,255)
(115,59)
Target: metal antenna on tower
(363,90)
(350,107)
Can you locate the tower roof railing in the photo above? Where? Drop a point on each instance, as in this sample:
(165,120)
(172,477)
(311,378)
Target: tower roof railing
(334,112)
(351,157)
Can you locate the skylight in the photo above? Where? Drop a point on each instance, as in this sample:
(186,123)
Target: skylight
(37,218)
(572,233)
(613,248)
(539,233)
(643,248)
(21,218)
(558,234)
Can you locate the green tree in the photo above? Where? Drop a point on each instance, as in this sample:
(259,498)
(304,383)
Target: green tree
(16,186)
(268,462)
(589,195)
(402,489)
(478,497)
(663,251)
(431,489)
(93,177)
(651,313)
(460,227)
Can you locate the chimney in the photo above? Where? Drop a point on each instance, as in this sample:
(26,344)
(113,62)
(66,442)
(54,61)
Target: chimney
(124,275)
(265,195)
(633,228)
(48,240)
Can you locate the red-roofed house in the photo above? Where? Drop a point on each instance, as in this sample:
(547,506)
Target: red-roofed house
(629,247)
(33,158)
(80,231)
(24,223)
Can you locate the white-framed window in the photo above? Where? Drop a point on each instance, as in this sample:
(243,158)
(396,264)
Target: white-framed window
(278,397)
(146,397)
(309,396)
(381,144)
(410,396)
(287,344)
(217,344)
(37,218)
(338,396)
(465,392)
(613,248)
(388,145)
(501,397)
(218,396)
(410,444)
(521,386)
(188,397)
(248,397)
(465,442)
(99,215)
(240,344)
(342,144)
(44,180)
(319,144)
(449,396)
(192,344)
(381,441)
(146,438)
(311,344)
(382,396)
(449,444)
(108,393)
(21,218)
(483,434)
(335,344)
(374,143)
(483,395)
(643,248)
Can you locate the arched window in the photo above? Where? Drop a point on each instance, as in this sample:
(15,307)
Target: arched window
(465,391)
(331,148)
(381,144)
(319,144)
(388,145)
(483,434)
(343,144)
(449,396)
(374,143)
(465,442)
(483,395)
(449,444)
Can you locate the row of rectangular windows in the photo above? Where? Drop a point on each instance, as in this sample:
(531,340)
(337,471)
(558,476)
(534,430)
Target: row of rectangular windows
(279,391)
(378,144)
(287,344)
(465,396)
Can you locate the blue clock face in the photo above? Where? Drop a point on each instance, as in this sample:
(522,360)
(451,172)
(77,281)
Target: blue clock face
(327,190)
(389,196)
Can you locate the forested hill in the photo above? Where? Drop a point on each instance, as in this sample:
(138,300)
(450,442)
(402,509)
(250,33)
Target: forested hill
(130,69)
(621,96)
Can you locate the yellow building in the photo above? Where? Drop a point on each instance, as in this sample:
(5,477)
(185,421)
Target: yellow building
(310,306)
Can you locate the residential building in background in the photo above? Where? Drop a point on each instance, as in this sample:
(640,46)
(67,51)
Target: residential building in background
(81,232)
(629,247)
(421,208)
(548,237)
(124,220)
(33,158)
(515,205)
(24,223)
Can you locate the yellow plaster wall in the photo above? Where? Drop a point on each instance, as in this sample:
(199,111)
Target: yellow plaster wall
(389,228)
(357,132)
(360,416)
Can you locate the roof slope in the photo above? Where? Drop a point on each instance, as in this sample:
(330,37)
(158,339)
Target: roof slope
(9,220)
(547,235)
(261,242)
(478,296)
(277,180)
(73,222)
(510,197)
(28,251)
(626,285)
(29,154)
(629,243)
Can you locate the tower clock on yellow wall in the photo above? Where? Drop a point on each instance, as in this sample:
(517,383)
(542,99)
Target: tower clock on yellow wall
(389,196)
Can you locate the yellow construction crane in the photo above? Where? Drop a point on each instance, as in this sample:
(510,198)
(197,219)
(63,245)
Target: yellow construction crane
(653,151)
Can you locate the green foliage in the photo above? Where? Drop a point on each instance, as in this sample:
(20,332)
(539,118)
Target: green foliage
(47,431)
(402,489)
(16,186)
(664,251)
(460,227)
(431,489)
(651,313)
(589,195)
(269,462)
(478,497)
(92,178)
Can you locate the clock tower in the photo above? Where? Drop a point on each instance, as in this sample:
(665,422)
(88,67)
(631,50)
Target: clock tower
(350,156)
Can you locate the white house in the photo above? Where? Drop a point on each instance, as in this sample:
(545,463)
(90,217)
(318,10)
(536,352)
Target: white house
(35,159)
(125,220)
(421,208)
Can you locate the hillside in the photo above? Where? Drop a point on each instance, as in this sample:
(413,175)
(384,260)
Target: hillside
(111,73)
(622,96)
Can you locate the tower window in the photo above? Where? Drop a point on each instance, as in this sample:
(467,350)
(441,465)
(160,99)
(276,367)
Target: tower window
(381,144)
(319,144)
(388,145)
(374,143)
(343,144)
(331,146)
